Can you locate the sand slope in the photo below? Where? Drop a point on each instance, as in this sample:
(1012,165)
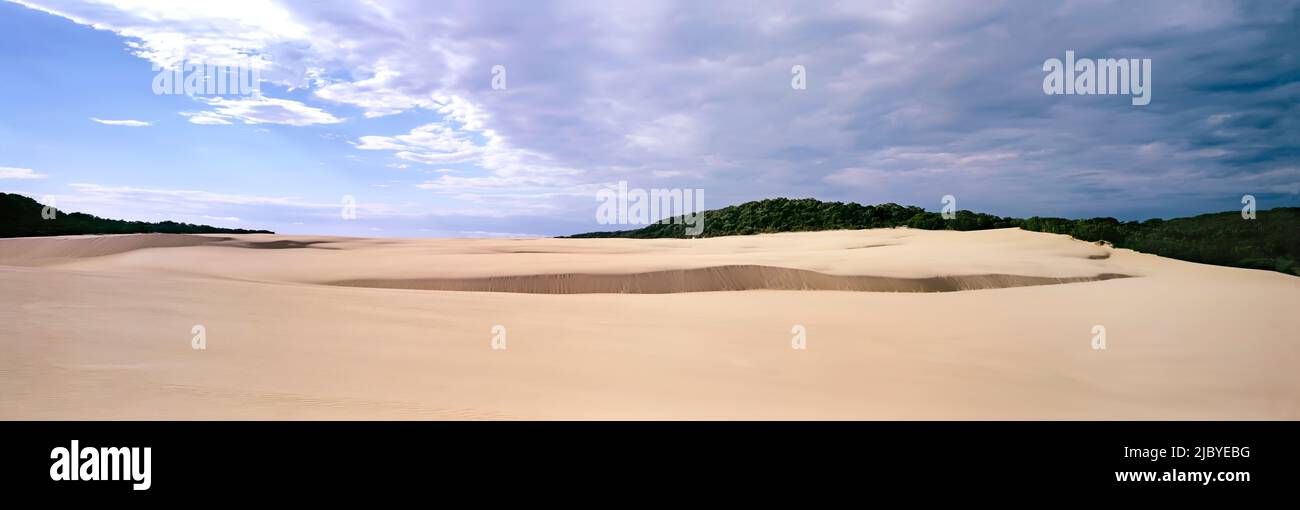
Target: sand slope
(100,328)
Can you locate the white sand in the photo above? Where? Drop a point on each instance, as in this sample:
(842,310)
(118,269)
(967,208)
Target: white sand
(99,327)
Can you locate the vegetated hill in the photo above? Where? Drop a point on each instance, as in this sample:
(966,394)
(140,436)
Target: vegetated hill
(1270,241)
(20,216)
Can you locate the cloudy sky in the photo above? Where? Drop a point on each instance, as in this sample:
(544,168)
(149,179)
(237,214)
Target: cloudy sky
(392,103)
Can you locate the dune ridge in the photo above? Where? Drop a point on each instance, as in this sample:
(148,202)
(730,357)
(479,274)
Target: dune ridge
(716,278)
(21,249)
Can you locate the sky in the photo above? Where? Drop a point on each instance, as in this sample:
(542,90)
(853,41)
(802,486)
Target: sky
(401,108)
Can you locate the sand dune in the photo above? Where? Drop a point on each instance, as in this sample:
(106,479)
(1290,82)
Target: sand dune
(101,328)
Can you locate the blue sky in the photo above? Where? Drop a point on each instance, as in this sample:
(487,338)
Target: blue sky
(391,103)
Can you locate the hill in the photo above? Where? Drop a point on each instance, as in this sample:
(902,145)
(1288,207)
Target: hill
(21,216)
(1270,241)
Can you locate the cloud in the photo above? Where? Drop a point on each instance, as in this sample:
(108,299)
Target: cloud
(906,101)
(299,214)
(377,94)
(9,172)
(167,32)
(430,143)
(261,110)
(181,198)
(126,123)
(192,205)
(206,118)
(483,233)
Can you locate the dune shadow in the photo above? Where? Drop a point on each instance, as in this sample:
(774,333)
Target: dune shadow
(713,279)
(283,244)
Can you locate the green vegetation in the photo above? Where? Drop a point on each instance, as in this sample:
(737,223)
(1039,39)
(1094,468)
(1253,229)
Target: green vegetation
(1270,241)
(21,216)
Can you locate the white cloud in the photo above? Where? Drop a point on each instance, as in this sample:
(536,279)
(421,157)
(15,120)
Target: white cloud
(376,94)
(165,32)
(484,233)
(461,184)
(98,192)
(431,143)
(125,123)
(129,202)
(9,172)
(206,118)
(262,110)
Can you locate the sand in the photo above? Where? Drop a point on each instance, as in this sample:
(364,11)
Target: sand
(898,323)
